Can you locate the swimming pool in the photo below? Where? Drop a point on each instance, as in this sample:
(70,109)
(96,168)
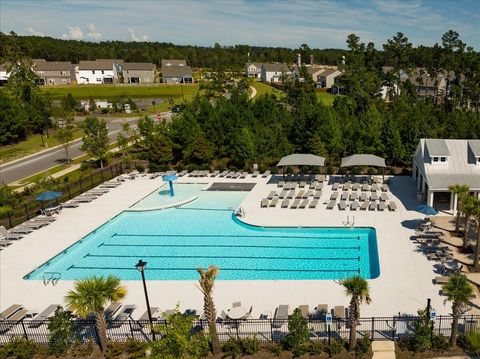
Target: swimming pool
(204,232)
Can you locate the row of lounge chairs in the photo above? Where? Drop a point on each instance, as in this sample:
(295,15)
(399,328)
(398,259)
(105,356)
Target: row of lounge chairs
(281,313)
(353,196)
(18,232)
(288,186)
(363,206)
(365,187)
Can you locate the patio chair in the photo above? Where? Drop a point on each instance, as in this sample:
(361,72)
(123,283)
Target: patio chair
(334,196)
(342,206)
(383,197)
(346,186)
(313,203)
(264,203)
(285,203)
(355,186)
(331,204)
(321,310)
(13,320)
(365,187)
(295,204)
(308,193)
(300,194)
(441,280)
(339,314)
(374,196)
(47,312)
(353,196)
(319,186)
(274,202)
(344,196)
(363,197)
(236,304)
(281,183)
(291,194)
(354,206)
(266,174)
(335,186)
(317,195)
(244,175)
(385,188)
(255,173)
(215,173)
(272,194)
(304,204)
(375,187)
(382,206)
(302,184)
(392,206)
(372,206)
(305,310)
(11,310)
(5,234)
(223,174)
(281,316)
(282,194)
(364,206)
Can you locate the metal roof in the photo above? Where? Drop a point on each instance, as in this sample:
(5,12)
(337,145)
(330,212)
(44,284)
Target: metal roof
(301,159)
(363,160)
(474,146)
(437,147)
(176,71)
(168,62)
(100,64)
(139,66)
(276,67)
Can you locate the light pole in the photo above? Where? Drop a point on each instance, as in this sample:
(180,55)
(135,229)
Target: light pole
(141,268)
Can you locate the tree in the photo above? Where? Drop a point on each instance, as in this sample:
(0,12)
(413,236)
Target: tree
(13,120)
(64,135)
(459,291)
(476,216)
(207,280)
(95,138)
(461,191)
(297,332)
(469,208)
(92,295)
(69,103)
(357,288)
(125,136)
(61,329)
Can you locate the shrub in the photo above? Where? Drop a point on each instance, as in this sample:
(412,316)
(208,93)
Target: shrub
(61,330)
(250,345)
(440,342)
(316,347)
(233,347)
(82,349)
(20,348)
(298,333)
(421,333)
(335,347)
(363,345)
(471,342)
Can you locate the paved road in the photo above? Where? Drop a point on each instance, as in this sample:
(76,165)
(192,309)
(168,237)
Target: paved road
(42,161)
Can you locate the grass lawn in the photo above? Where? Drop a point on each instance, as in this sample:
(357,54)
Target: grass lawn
(109,91)
(325,97)
(31,145)
(263,88)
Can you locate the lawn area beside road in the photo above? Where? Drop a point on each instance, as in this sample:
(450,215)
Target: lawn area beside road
(263,88)
(110,91)
(325,97)
(32,144)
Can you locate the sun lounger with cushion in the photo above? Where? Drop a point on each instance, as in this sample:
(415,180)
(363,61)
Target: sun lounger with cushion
(303,204)
(321,310)
(307,194)
(266,174)
(382,206)
(236,175)
(300,194)
(182,173)
(331,204)
(392,206)
(384,188)
(47,312)
(264,203)
(255,173)
(111,310)
(281,183)
(291,194)
(305,310)
(354,205)
(124,314)
(215,173)
(317,195)
(281,316)
(344,196)
(282,194)
(285,203)
(295,204)
(364,205)
(334,196)
(372,206)
(13,320)
(274,202)
(272,194)
(313,203)
(223,174)
(11,310)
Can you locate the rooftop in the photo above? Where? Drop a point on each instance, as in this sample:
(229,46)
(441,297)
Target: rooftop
(176,71)
(169,62)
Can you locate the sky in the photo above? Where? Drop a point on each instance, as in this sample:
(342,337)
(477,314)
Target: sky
(320,24)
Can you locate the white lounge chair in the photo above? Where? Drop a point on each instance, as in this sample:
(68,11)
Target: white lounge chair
(264,203)
(295,204)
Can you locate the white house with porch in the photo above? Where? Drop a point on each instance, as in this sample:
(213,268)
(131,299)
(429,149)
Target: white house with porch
(439,163)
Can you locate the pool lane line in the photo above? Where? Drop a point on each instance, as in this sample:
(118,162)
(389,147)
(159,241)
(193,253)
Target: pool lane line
(229,257)
(221,246)
(229,236)
(222,269)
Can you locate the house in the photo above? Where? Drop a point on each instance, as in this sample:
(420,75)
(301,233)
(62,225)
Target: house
(439,163)
(4,75)
(176,72)
(54,72)
(326,78)
(253,69)
(427,86)
(138,73)
(103,71)
(273,72)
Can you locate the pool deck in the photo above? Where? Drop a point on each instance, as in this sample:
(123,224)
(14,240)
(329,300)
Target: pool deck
(404,284)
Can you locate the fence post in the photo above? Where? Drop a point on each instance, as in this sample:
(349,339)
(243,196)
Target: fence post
(130,325)
(373,328)
(26,210)
(24,329)
(440,325)
(10,219)
(271,329)
(69,193)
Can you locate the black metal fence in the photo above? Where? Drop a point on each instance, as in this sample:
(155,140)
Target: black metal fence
(30,208)
(265,330)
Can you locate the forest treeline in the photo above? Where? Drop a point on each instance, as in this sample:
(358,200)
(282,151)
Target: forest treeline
(216,56)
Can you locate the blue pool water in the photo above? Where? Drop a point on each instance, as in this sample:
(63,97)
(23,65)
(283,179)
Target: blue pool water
(204,232)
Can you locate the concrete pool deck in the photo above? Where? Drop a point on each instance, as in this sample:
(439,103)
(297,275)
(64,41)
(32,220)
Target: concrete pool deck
(404,284)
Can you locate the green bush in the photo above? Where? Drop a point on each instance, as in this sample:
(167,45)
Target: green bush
(235,347)
(316,347)
(471,342)
(61,329)
(298,333)
(20,348)
(131,349)
(335,347)
(440,342)
(363,345)
(82,349)
(422,331)
(250,345)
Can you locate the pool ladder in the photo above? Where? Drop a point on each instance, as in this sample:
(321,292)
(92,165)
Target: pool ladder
(51,277)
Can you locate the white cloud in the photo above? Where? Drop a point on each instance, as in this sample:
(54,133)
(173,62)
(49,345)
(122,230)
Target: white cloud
(137,38)
(34,32)
(74,33)
(92,32)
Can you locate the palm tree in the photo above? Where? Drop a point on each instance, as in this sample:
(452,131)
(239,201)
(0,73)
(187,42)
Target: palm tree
(357,288)
(206,281)
(92,295)
(459,291)
(476,216)
(468,212)
(461,190)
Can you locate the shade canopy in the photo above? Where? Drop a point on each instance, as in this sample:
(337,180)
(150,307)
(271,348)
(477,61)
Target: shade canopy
(48,195)
(169,178)
(301,159)
(427,210)
(363,160)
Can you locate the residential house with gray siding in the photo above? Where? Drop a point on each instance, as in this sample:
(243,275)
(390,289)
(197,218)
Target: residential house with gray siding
(176,72)
(138,73)
(54,72)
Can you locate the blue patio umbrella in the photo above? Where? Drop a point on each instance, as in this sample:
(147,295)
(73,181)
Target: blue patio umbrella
(48,196)
(170,179)
(426,210)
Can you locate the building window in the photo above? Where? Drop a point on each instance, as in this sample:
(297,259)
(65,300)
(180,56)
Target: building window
(435,159)
(443,159)
(99,79)
(93,72)
(103,72)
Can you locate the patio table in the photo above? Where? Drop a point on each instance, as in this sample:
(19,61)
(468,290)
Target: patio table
(237,313)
